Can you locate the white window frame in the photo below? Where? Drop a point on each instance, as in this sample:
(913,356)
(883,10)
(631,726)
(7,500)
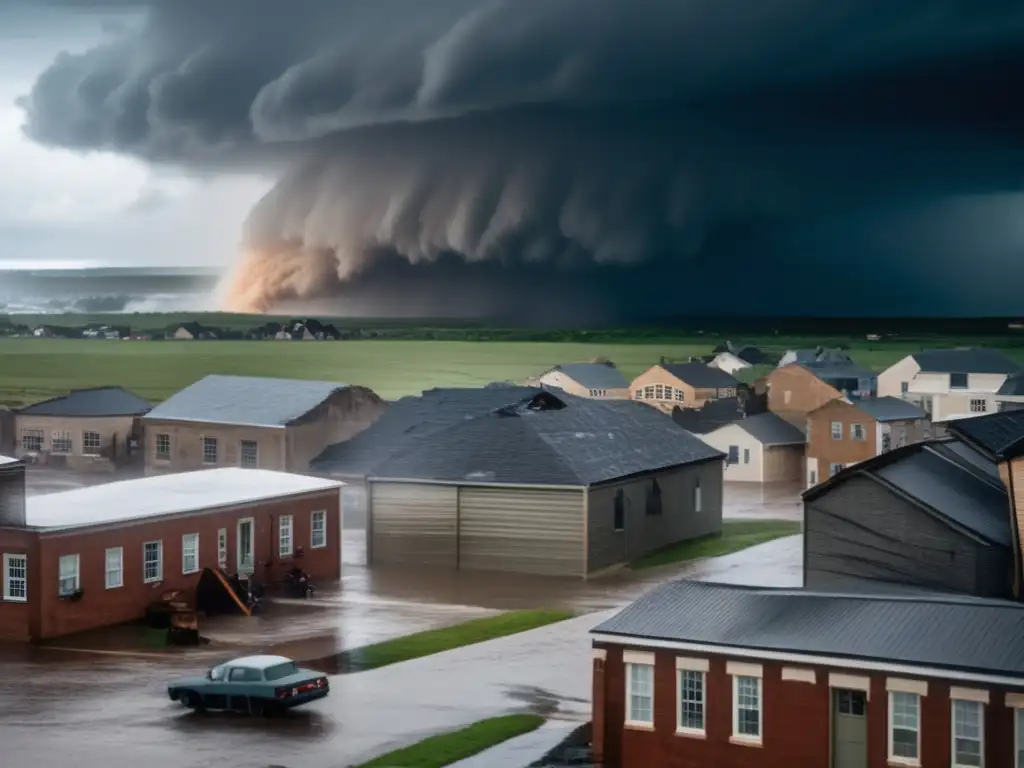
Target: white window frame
(978,405)
(61,578)
(157,453)
(858,433)
(632,662)
(286,535)
(65,440)
(91,451)
(204,441)
(314,515)
(834,469)
(241,454)
(746,672)
(159,562)
(694,667)
(837,430)
(185,539)
(33,434)
(894,759)
(107,583)
(9,559)
(954,700)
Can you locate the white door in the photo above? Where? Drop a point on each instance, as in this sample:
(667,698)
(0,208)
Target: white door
(246,550)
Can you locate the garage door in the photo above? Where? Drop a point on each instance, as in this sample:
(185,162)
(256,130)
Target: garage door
(526,531)
(413,524)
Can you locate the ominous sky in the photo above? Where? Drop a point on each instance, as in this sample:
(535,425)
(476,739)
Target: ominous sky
(550,159)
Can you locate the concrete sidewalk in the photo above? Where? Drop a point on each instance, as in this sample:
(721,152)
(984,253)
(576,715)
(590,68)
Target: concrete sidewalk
(524,750)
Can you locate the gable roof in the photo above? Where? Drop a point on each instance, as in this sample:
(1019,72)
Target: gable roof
(944,477)
(709,417)
(965,360)
(937,630)
(770,429)
(1000,435)
(96,402)
(888,408)
(1014,385)
(536,437)
(594,375)
(700,376)
(245,400)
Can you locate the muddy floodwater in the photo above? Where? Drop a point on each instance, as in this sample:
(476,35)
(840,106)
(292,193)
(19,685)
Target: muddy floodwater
(100,703)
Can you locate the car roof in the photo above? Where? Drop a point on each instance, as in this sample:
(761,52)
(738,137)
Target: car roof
(258,662)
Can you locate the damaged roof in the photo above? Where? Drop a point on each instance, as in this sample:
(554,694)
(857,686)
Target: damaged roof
(946,478)
(594,375)
(95,402)
(965,360)
(515,435)
(701,376)
(979,635)
(245,401)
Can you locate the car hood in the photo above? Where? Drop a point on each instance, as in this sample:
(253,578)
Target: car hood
(188,682)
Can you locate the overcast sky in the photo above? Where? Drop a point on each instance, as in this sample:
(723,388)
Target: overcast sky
(600,156)
(65,207)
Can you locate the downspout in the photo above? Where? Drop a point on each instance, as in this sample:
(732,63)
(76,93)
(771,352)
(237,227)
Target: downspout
(1014,533)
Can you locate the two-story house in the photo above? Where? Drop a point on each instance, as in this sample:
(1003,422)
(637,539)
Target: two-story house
(682,385)
(795,390)
(847,431)
(949,383)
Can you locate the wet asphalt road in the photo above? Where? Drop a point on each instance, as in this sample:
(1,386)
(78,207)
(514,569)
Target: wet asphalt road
(110,710)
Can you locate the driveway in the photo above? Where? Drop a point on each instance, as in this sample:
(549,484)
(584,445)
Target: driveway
(109,710)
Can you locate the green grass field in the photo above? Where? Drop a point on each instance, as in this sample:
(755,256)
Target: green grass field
(448,748)
(34,369)
(736,535)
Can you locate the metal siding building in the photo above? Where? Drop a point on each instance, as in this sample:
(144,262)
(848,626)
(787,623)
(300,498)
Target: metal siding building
(544,483)
(933,515)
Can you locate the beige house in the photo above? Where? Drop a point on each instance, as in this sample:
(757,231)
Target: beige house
(760,449)
(601,381)
(682,385)
(85,429)
(257,423)
(190,332)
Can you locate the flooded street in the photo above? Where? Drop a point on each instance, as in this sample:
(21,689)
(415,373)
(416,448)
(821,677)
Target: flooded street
(110,709)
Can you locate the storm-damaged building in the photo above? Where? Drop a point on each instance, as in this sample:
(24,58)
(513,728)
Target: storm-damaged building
(528,480)
(254,423)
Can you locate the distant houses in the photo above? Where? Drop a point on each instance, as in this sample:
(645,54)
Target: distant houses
(295,330)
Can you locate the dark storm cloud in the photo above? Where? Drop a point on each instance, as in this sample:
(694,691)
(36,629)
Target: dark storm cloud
(555,133)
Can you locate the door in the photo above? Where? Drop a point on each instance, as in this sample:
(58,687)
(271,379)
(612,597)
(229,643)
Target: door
(849,729)
(246,551)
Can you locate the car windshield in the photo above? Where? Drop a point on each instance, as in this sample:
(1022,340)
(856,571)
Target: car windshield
(278,671)
(217,673)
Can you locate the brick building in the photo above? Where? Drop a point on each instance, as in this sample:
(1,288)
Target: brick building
(699,675)
(850,430)
(797,389)
(99,556)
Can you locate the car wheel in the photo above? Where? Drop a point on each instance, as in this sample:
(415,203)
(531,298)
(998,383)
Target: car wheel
(256,707)
(190,700)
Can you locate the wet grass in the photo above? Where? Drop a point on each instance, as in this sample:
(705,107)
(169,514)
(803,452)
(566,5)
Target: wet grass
(736,535)
(448,748)
(433,641)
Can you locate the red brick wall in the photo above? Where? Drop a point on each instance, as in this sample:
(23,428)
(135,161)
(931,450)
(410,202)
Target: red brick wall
(795,721)
(15,617)
(100,607)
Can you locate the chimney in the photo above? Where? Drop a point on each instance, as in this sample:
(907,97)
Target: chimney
(12,493)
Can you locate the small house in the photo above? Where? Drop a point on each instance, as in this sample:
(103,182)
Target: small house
(601,380)
(760,449)
(684,385)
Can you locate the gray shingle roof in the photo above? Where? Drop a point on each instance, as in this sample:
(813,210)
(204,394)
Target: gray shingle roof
(497,436)
(595,375)
(770,429)
(934,630)
(700,375)
(967,360)
(829,371)
(101,401)
(946,478)
(1014,385)
(889,408)
(245,400)
(1000,434)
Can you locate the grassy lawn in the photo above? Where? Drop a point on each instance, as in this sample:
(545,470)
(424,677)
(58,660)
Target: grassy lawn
(34,369)
(436,640)
(736,535)
(448,748)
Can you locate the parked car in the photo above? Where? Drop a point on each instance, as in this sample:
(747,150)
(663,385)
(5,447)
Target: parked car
(254,684)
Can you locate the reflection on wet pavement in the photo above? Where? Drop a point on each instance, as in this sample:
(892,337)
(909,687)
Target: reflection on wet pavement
(110,710)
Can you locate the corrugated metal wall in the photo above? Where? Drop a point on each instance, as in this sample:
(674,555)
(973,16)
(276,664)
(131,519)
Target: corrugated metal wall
(521,530)
(414,523)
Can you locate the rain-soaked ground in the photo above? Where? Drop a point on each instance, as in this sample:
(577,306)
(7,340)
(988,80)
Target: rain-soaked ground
(109,708)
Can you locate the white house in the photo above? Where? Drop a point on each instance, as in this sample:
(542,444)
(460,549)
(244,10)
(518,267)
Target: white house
(760,449)
(950,382)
